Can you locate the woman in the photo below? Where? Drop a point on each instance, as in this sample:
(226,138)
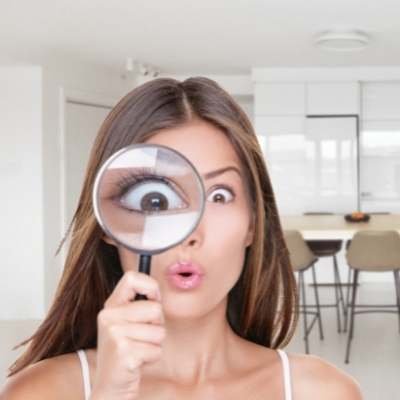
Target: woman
(214,339)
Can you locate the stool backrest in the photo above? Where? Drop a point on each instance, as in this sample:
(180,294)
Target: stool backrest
(301,257)
(374,251)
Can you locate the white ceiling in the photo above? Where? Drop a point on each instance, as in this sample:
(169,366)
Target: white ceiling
(203,36)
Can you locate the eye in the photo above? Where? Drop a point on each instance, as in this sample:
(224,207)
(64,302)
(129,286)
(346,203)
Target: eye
(221,195)
(151,196)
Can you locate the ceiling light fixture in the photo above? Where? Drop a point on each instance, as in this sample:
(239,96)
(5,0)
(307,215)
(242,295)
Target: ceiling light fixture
(144,69)
(342,40)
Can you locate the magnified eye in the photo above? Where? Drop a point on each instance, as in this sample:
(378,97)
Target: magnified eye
(220,195)
(151,196)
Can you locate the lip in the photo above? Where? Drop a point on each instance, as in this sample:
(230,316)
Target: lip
(193,279)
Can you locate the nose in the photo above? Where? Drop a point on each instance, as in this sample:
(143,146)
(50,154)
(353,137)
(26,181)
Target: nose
(195,239)
(192,242)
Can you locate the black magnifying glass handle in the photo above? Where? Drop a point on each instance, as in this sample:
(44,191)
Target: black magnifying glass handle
(144,266)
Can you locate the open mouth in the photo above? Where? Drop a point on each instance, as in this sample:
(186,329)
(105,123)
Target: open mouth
(186,274)
(186,280)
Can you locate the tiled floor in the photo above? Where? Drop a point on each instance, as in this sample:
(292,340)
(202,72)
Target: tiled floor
(375,356)
(375,352)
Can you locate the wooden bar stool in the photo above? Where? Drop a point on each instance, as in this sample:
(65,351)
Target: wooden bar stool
(373,251)
(330,248)
(302,259)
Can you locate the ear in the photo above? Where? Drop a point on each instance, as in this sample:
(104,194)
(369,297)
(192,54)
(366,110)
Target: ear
(108,240)
(250,232)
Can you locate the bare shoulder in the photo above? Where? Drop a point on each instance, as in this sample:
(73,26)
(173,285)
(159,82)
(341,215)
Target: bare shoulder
(314,378)
(54,378)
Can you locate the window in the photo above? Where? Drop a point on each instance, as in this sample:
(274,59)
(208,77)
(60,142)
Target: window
(380,166)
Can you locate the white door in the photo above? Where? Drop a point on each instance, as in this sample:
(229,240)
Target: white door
(82,124)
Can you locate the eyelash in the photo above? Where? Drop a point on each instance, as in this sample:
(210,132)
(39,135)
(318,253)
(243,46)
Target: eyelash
(143,175)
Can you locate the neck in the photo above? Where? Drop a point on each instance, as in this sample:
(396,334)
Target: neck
(199,349)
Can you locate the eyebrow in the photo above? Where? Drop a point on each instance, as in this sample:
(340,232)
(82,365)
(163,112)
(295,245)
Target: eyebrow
(221,171)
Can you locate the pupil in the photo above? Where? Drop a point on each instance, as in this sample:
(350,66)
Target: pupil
(154,202)
(219,198)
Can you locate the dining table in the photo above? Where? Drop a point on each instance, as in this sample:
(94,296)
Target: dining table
(327,227)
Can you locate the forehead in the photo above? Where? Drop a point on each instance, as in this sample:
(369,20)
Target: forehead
(203,144)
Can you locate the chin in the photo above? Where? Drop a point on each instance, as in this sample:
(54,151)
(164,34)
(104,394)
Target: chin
(183,315)
(184,306)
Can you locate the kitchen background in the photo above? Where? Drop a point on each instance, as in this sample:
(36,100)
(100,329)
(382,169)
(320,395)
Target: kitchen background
(320,80)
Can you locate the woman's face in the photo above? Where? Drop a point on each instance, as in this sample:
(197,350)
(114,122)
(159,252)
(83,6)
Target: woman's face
(217,246)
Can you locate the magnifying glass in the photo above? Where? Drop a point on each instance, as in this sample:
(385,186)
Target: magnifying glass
(148,198)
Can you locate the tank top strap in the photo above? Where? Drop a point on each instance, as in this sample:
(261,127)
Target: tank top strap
(286,374)
(85,373)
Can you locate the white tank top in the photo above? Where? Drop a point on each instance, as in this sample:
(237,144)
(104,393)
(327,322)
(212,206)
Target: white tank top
(284,358)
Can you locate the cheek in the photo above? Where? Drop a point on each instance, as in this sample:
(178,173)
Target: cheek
(228,226)
(227,230)
(129,260)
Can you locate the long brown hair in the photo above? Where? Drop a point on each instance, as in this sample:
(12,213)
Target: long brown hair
(261,306)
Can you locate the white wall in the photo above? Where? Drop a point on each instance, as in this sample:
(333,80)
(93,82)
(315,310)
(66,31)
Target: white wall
(21,202)
(63,80)
(32,126)
(32,108)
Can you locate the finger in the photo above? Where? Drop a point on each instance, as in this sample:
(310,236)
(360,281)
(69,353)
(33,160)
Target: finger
(130,284)
(143,353)
(144,333)
(136,312)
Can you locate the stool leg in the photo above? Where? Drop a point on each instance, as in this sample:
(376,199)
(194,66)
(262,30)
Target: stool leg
(337,295)
(304,304)
(397,286)
(344,307)
(347,299)
(353,302)
(321,333)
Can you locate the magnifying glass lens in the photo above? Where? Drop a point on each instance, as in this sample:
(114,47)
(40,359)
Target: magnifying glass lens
(148,198)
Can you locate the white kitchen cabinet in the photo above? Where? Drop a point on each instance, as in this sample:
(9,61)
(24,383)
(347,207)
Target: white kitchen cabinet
(333,98)
(279,99)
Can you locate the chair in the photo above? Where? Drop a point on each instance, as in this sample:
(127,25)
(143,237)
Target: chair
(373,251)
(330,248)
(302,259)
(349,275)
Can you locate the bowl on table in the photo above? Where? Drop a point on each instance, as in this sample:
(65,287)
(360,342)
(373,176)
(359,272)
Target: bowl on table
(357,216)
